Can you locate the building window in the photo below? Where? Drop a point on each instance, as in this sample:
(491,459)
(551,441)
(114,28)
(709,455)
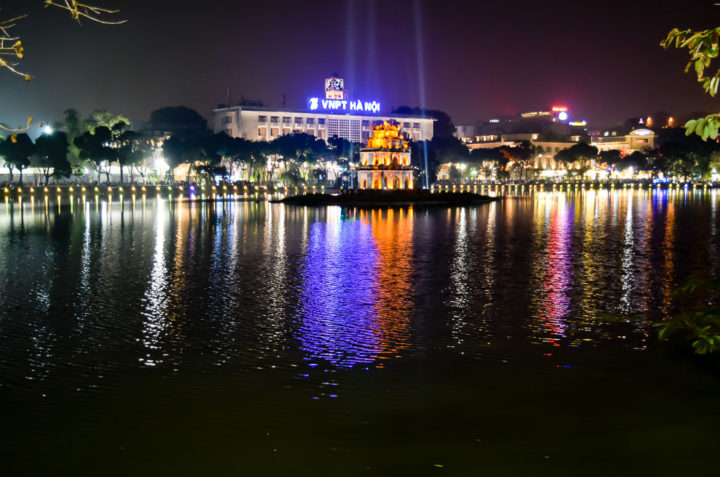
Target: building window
(298,121)
(262,132)
(366,123)
(229,132)
(406,125)
(227,120)
(262,119)
(321,121)
(286,131)
(310,120)
(286,120)
(274,119)
(416,125)
(273,132)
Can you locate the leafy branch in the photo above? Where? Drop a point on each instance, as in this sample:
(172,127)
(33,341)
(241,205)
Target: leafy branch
(698,319)
(703,48)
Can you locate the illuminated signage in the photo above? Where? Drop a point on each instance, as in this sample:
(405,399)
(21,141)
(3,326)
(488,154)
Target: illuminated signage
(535,114)
(343,105)
(578,123)
(558,109)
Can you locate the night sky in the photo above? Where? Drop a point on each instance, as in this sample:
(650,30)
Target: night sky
(473,59)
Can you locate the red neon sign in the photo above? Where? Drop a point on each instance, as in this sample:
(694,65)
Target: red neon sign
(557,109)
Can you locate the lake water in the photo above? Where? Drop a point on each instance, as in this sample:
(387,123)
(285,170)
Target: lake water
(243,338)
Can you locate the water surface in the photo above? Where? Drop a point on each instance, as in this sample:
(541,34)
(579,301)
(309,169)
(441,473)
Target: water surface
(149,337)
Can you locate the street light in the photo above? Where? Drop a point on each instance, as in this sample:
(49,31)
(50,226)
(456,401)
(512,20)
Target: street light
(47,130)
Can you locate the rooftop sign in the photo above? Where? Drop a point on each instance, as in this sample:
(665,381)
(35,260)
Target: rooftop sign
(343,105)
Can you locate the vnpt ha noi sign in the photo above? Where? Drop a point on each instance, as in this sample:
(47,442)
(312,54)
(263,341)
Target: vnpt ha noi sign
(343,105)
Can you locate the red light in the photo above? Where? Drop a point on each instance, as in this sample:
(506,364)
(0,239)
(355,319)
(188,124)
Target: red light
(558,109)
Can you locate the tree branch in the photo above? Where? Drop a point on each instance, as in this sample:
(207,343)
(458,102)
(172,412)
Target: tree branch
(80,10)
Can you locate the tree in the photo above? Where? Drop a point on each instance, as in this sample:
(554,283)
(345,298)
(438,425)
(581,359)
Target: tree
(637,160)
(455,173)
(211,151)
(95,148)
(131,151)
(16,149)
(179,150)
(422,154)
(490,160)
(344,151)
(577,153)
(291,176)
(258,166)
(703,49)
(51,152)
(178,120)
(299,146)
(443,126)
(523,154)
(103,117)
(610,157)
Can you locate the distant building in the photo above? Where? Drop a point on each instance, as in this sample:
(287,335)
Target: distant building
(334,115)
(554,121)
(637,140)
(465,132)
(385,162)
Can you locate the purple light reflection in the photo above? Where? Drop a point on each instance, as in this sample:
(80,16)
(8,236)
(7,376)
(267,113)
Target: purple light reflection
(339,294)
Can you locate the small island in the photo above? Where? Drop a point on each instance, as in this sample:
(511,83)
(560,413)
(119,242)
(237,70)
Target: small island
(385,178)
(384,198)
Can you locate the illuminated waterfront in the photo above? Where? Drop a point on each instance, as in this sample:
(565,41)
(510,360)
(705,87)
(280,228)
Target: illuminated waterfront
(152,336)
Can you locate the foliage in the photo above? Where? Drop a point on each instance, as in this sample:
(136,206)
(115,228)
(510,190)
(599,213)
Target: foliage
(299,146)
(180,150)
(95,148)
(51,152)
(132,150)
(580,152)
(443,127)
(686,156)
(698,317)
(420,151)
(343,151)
(103,117)
(703,49)
(16,150)
(636,160)
(178,120)
(610,157)
(455,173)
(523,155)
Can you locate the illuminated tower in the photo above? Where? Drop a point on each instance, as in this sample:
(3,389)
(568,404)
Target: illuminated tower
(385,162)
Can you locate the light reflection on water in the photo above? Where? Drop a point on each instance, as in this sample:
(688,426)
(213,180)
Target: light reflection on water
(253,286)
(356,288)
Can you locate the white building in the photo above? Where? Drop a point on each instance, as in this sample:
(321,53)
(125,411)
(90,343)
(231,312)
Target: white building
(334,115)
